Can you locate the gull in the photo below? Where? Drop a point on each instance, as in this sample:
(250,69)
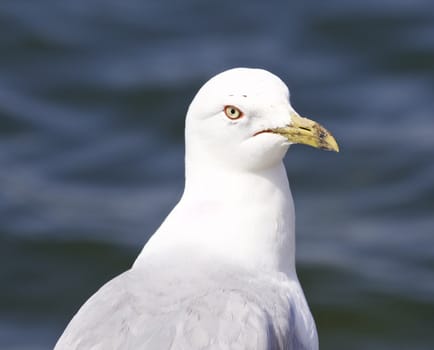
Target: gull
(219,273)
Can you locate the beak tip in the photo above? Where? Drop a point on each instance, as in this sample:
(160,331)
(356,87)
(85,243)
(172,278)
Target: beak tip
(330,143)
(335,147)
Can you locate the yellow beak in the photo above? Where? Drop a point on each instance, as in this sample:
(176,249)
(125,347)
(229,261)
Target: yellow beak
(307,132)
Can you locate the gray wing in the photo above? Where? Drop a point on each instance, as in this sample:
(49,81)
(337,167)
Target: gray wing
(145,310)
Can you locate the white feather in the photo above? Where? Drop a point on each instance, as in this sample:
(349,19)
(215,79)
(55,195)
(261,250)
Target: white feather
(220,272)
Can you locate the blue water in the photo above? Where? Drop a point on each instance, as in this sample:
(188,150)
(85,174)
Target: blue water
(92,102)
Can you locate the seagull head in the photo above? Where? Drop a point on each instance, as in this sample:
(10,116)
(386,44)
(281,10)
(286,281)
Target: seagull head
(242,118)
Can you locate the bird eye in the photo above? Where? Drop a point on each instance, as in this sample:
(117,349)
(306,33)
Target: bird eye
(233,112)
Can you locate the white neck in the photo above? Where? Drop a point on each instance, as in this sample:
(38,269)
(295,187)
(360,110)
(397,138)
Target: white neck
(242,217)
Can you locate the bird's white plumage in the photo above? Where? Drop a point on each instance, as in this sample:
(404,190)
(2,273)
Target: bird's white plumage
(219,273)
(216,307)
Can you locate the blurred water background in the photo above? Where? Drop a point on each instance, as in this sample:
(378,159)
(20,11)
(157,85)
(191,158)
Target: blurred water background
(92,102)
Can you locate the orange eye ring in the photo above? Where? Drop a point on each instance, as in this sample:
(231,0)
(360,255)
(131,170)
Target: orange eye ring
(233,112)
